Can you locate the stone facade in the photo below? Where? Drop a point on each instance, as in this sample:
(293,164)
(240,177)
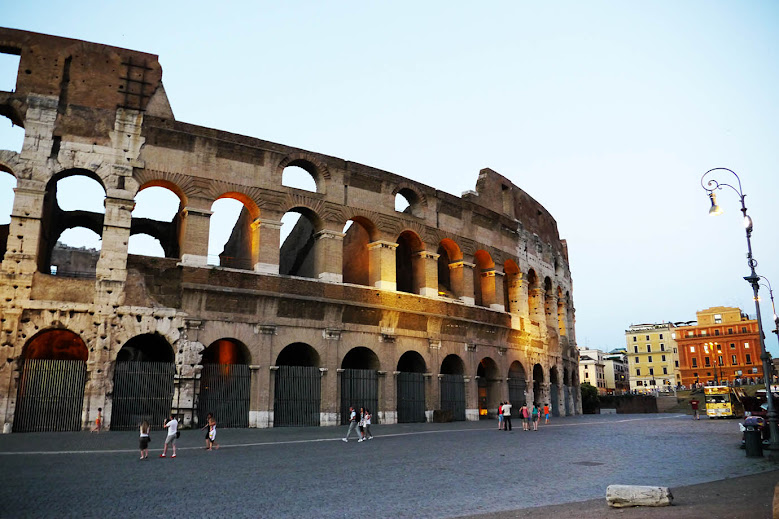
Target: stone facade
(477,286)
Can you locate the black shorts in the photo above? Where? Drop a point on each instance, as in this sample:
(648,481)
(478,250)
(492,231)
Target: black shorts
(144,442)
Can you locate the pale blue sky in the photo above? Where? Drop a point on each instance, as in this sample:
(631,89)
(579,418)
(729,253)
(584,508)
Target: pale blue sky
(607,113)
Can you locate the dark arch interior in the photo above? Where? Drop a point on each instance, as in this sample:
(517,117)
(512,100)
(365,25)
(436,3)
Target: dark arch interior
(356,261)
(553,378)
(444,279)
(516,370)
(298,354)
(360,358)
(56,345)
(149,347)
(225,351)
(404,268)
(452,365)
(412,362)
(538,373)
(487,368)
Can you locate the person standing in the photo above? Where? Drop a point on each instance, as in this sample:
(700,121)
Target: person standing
(535,416)
(207,429)
(500,416)
(694,403)
(143,441)
(366,419)
(172,426)
(353,422)
(212,434)
(524,415)
(507,416)
(546,413)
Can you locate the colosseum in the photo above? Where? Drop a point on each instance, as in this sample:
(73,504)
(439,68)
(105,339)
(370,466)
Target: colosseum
(439,311)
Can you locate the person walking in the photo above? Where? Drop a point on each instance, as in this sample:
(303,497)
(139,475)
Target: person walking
(212,434)
(546,414)
(535,414)
(172,426)
(366,425)
(694,404)
(353,423)
(507,416)
(144,439)
(207,429)
(524,415)
(98,421)
(500,416)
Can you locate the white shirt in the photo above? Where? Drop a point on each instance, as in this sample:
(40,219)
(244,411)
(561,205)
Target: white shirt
(506,409)
(172,426)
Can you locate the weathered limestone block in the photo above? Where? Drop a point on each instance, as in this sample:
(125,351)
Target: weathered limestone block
(619,496)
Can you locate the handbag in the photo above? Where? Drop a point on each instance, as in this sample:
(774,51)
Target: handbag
(178,434)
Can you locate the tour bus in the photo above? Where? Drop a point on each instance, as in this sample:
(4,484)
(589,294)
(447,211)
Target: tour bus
(723,402)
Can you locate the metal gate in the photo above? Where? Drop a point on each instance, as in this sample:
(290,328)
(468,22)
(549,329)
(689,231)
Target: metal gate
(142,391)
(517,397)
(555,400)
(411,397)
(453,396)
(224,392)
(567,395)
(359,388)
(50,395)
(297,397)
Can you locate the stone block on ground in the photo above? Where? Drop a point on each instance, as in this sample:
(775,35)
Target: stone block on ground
(620,496)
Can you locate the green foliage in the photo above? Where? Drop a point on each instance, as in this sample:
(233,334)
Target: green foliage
(590,400)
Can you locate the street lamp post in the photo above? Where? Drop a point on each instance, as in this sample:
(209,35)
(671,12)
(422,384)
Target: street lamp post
(767,285)
(754,280)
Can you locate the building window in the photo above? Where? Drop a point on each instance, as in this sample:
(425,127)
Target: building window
(639,383)
(733,360)
(652,371)
(635,349)
(661,335)
(749,359)
(717,318)
(692,349)
(649,359)
(694,362)
(746,345)
(662,358)
(730,331)
(743,329)
(719,359)
(716,332)
(649,348)
(662,347)
(676,363)
(635,338)
(647,337)
(707,361)
(636,360)
(695,375)
(674,350)
(638,372)
(690,334)
(665,371)
(732,345)
(704,332)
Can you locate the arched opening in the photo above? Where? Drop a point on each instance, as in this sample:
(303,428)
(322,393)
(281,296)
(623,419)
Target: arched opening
(297,256)
(359,382)
(224,384)
(299,178)
(408,202)
(156,223)
(143,382)
(7,186)
(233,236)
(450,269)
(50,395)
(483,279)
(489,391)
(411,388)
(554,389)
(533,296)
(517,387)
(512,287)
(550,310)
(452,385)
(561,313)
(358,234)
(538,384)
(567,391)
(11,131)
(72,224)
(297,387)
(408,262)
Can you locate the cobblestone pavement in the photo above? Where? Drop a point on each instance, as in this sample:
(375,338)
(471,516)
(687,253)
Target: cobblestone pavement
(413,470)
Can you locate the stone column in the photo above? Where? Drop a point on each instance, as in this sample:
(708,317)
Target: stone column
(461,273)
(254,395)
(111,270)
(270,235)
(498,299)
(25,228)
(195,223)
(381,269)
(536,305)
(387,398)
(328,256)
(426,272)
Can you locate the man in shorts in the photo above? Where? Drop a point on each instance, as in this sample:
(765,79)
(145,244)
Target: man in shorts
(172,425)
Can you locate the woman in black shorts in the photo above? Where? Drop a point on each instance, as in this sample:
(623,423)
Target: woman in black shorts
(144,440)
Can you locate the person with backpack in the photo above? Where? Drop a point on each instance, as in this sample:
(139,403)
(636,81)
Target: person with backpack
(535,414)
(524,415)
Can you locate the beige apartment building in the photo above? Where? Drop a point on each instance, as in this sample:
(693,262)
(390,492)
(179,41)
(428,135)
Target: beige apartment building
(653,357)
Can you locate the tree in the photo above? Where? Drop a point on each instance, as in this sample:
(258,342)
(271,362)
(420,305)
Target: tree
(590,400)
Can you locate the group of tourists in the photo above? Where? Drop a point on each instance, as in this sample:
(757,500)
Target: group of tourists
(527,416)
(360,422)
(173,433)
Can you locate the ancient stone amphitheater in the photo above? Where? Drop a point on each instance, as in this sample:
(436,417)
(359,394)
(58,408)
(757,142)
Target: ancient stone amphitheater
(436,312)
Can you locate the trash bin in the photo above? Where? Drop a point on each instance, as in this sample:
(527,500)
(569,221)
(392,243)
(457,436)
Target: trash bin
(753,442)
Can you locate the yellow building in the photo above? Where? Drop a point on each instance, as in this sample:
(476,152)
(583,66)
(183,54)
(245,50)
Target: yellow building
(653,357)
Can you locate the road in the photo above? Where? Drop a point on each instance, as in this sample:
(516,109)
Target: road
(413,470)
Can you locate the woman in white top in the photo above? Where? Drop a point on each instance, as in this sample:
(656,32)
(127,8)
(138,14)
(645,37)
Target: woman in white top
(366,426)
(144,440)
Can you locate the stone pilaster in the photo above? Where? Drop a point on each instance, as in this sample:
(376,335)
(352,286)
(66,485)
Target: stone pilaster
(196,220)
(328,256)
(270,235)
(382,265)
(461,273)
(426,272)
